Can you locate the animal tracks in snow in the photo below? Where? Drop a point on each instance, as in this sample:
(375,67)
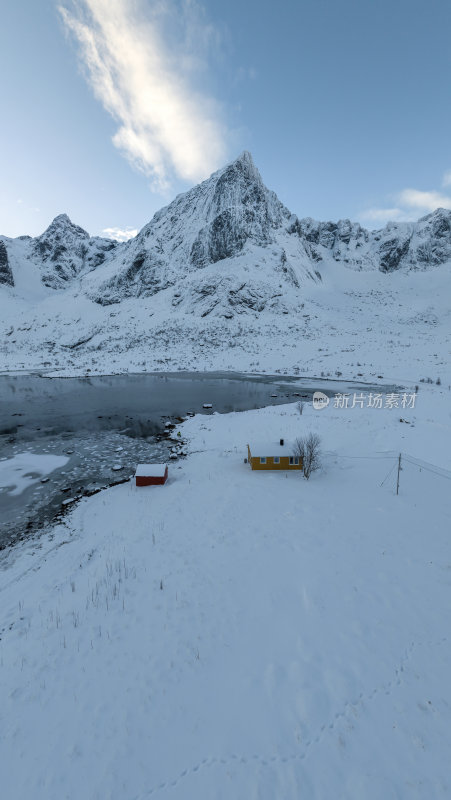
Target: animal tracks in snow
(349,708)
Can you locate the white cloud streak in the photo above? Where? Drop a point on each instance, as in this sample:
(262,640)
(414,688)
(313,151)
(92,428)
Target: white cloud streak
(381,215)
(165,125)
(120,234)
(410,204)
(423,201)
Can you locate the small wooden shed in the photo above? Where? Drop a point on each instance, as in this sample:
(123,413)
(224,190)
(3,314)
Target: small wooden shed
(151,474)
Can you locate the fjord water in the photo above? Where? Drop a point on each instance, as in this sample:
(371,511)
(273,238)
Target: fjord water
(104,425)
(33,405)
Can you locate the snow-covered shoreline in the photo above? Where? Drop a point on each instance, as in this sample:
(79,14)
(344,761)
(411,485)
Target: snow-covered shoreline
(296,381)
(237,634)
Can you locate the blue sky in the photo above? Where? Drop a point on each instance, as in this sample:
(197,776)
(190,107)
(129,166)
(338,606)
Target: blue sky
(112,107)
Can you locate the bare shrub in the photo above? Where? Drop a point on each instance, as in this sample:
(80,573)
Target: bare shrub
(309,449)
(300,406)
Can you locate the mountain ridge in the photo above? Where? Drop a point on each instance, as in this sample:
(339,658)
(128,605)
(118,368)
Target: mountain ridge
(227,231)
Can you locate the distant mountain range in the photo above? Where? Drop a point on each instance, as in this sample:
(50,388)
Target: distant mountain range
(225,277)
(224,247)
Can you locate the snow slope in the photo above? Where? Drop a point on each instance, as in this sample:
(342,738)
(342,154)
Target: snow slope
(351,323)
(216,275)
(236,634)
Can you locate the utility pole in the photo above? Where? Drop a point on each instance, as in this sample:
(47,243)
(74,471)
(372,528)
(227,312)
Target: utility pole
(399,470)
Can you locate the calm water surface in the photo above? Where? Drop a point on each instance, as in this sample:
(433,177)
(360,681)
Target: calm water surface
(107,424)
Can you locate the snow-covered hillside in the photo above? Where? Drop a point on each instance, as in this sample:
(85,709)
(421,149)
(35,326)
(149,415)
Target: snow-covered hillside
(221,273)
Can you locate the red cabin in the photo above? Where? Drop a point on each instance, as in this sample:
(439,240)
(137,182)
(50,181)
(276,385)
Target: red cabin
(151,474)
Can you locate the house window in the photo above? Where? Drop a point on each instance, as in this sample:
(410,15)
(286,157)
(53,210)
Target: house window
(263,461)
(296,461)
(276,460)
(291,461)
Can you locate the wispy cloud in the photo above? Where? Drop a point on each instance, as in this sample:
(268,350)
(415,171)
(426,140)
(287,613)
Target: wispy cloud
(410,204)
(26,207)
(381,215)
(424,201)
(145,76)
(120,234)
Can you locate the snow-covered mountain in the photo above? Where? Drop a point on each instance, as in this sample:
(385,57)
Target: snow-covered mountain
(224,246)
(399,245)
(227,245)
(224,267)
(63,252)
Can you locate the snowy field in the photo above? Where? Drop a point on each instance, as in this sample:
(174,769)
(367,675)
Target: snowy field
(355,324)
(238,635)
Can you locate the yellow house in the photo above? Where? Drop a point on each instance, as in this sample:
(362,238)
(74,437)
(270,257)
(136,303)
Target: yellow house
(273,455)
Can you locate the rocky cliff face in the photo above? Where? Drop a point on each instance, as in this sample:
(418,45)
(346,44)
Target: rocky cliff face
(65,250)
(62,253)
(227,220)
(399,245)
(6,275)
(227,246)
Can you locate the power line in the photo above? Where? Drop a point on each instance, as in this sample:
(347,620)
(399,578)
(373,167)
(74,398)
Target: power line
(393,454)
(388,474)
(375,458)
(436,470)
(416,462)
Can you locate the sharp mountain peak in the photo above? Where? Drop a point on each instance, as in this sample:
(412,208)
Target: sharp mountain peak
(234,219)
